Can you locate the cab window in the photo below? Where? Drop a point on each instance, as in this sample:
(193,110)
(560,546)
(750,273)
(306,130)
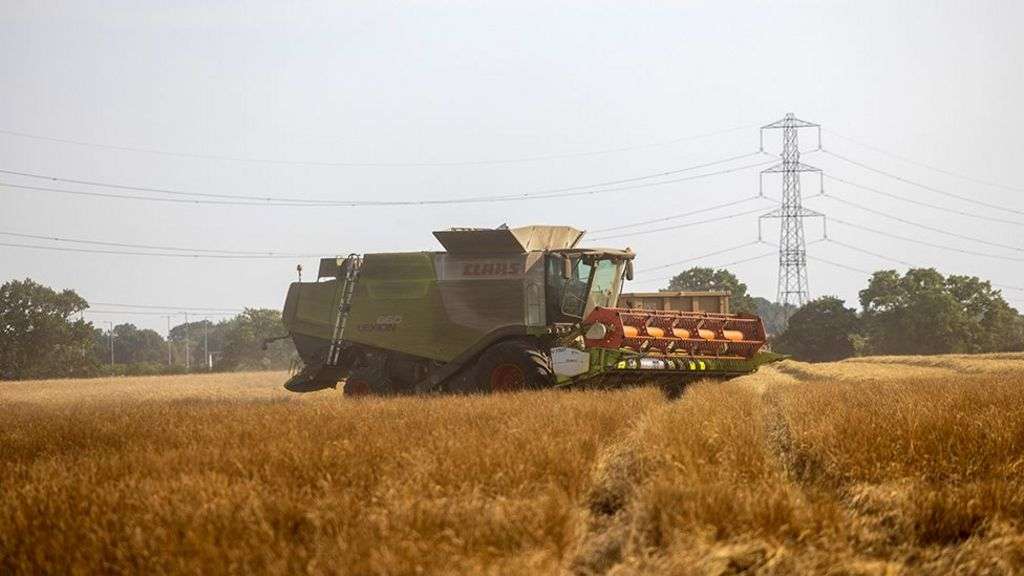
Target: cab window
(566,296)
(604,284)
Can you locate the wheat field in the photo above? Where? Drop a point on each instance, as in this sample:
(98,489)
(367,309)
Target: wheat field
(868,466)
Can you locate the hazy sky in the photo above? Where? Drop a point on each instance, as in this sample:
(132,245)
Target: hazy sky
(940,83)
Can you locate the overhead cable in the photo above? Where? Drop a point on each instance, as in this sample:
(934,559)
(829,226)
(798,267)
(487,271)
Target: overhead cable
(923,242)
(250,200)
(702,256)
(153,306)
(926,204)
(923,165)
(925,186)
(191,252)
(678,226)
(839,265)
(725,265)
(674,216)
(891,259)
(195,256)
(922,226)
(285,162)
(150,313)
(262,253)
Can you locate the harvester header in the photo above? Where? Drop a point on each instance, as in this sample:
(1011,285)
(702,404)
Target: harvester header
(500,309)
(670,332)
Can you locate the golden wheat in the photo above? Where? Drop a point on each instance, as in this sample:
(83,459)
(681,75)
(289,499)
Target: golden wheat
(876,465)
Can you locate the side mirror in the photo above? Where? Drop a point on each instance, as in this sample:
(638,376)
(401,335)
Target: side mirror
(629,270)
(567,268)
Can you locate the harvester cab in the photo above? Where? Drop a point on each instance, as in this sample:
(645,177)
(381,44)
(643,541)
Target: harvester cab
(500,309)
(577,281)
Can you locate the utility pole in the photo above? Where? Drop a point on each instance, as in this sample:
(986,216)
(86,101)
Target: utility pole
(168,341)
(188,361)
(206,343)
(110,335)
(793,287)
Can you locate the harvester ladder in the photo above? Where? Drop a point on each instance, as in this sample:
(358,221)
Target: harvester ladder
(351,268)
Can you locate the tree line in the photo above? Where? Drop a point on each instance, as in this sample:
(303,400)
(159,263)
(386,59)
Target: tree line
(917,312)
(43,335)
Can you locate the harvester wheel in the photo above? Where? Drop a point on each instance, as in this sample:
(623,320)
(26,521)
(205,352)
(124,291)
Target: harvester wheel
(513,365)
(367,381)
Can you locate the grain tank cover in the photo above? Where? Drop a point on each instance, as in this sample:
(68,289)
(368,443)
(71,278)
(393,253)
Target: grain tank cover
(485,241)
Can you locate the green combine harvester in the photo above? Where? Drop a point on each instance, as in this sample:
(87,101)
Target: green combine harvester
(500,310)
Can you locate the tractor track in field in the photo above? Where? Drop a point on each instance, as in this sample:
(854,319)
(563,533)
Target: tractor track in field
(608,511)
(609,533)
(800,468)
(612,535)
(870,510)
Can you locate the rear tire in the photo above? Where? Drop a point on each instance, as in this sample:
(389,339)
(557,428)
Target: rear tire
(511,366)
(361,383)
(369,377)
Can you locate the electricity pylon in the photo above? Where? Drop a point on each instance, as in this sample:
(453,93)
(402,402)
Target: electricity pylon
(793,287)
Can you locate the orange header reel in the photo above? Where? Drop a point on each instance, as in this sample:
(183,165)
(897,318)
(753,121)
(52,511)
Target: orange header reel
(674,332)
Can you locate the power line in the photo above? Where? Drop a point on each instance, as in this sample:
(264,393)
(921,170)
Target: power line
(838,265)
(922,226)
(262,253)
(190,252)
(891,259)
(875,254)
(677,226)
(923,242)
(193,253)
(896,260)
(925,186)
(150,313)
(163,254)
(153,306)
(584,189)
(725,265)
(869,272)
(923,165)
(257,160)
(136,197)
(685,260)
(674,216)
(926,204)
(248,200)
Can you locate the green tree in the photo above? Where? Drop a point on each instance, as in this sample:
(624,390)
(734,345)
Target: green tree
(196,333)
(134,346)
(774,315)
(922,312)
(992,323)
(710,279)
(243,342)
(38,337)
(820,331)
(1019,345)
(911,314)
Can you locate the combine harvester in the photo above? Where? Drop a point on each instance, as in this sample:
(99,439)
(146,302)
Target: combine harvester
(498,310)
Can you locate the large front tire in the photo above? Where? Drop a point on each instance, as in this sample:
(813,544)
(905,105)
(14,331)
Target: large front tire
(511,366)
